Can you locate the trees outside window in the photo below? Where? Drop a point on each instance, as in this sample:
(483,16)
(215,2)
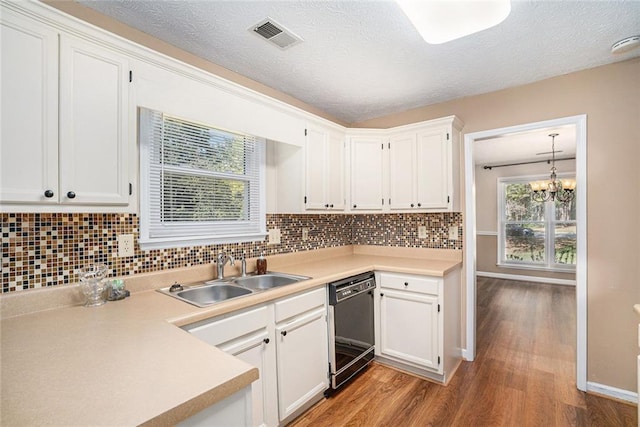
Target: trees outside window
(534,234)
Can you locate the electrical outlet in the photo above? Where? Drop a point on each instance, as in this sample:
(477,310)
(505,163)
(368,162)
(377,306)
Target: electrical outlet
(274,236)
(453,232)
(422,232)
(125,245)
(305,234)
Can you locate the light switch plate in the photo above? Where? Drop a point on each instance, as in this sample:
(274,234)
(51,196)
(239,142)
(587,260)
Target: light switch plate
(453,233)
(274,236)
(422,232)
(125,245)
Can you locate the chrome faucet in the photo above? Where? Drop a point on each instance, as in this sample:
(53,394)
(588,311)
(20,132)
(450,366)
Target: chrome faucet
(244,266)
(222,260)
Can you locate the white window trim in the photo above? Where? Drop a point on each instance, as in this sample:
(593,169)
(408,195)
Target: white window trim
(549,252)
(167,242)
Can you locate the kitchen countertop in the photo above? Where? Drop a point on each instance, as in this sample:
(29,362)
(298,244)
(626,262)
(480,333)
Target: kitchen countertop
(127,362)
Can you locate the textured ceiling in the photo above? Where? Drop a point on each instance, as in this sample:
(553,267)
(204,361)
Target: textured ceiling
(363,59)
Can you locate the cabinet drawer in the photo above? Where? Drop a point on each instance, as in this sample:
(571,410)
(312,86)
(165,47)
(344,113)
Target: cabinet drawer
(420,284)
(300,303)
(216,332)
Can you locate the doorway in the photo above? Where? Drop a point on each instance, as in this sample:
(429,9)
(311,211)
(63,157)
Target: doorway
(580,123)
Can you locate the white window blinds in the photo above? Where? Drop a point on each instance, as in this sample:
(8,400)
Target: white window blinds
(200,185)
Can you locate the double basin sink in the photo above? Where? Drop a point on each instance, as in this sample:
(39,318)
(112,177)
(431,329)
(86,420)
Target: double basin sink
(215,291)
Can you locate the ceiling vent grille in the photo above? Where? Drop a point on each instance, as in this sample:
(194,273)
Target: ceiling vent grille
(275,33)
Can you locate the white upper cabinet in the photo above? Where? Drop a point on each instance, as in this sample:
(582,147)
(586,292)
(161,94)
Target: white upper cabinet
(367,173)
(64,119)
(324,170)
(29,81)
(423,166)
(93,124)
(402,171)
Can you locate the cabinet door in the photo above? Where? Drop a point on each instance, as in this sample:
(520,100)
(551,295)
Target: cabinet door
(335,172)
(315,149)
(93,132)
(366,173)
(433,155)
(259,350)
(409,327)
(402,171)
(29,138)
(302,357)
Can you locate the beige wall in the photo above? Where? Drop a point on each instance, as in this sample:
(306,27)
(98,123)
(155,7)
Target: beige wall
(610,96)
(487,215)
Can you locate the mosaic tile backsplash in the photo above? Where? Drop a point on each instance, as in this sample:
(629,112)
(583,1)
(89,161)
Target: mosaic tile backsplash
(45,249)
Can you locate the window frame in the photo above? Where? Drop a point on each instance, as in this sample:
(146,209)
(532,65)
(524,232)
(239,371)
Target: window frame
(549,222)
(182,235)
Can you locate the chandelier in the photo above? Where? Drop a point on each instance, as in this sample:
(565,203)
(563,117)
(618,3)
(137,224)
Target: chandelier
(554,188)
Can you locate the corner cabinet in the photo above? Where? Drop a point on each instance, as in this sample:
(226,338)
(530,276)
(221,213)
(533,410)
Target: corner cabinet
(65,118)
(324,170)
(367,166)
(418,323)
(287,341)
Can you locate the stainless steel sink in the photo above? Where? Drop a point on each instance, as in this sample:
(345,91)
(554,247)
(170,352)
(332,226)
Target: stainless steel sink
(207,294)
(268,281)
(203,294)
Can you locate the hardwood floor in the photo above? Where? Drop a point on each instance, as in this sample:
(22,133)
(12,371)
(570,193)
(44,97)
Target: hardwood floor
(524,374)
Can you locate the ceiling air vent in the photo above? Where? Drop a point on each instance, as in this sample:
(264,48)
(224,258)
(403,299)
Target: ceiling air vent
(275,33)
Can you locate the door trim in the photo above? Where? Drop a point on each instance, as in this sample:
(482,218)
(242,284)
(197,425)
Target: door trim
(580,122)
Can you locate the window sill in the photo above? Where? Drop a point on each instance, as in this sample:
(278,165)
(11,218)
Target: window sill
(568,269)
(181,242)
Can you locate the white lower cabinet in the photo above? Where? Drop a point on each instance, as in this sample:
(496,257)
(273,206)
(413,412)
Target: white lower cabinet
(418,323)
(287,341)
(400,312)
(302,360)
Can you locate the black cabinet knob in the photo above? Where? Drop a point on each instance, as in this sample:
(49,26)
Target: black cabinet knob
(326,205)
(411,204)
(266,340)
(71,195)
(406,283)
(48,194)
(381,295)
(331,205)
(419,204)
(284,333)
(355,206)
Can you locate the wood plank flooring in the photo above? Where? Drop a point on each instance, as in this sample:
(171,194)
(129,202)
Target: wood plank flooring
(524,374)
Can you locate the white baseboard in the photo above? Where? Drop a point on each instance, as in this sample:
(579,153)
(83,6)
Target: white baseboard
(521,277)
(616,393)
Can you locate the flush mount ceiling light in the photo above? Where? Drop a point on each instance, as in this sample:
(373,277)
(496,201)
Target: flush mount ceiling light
(440,21)
(553,189)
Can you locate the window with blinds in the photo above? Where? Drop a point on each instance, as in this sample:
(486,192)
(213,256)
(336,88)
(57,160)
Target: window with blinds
(200,185)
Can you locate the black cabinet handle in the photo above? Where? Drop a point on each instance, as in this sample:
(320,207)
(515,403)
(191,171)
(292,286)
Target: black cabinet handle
(71,195)
(284,333)
(266,340)
(48,194)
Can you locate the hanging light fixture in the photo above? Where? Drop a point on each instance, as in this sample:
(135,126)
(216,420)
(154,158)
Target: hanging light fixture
(554,188)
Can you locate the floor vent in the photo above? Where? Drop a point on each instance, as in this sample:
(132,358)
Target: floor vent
(275,33)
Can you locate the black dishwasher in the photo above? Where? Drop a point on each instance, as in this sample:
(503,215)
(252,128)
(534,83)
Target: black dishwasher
(351,327)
